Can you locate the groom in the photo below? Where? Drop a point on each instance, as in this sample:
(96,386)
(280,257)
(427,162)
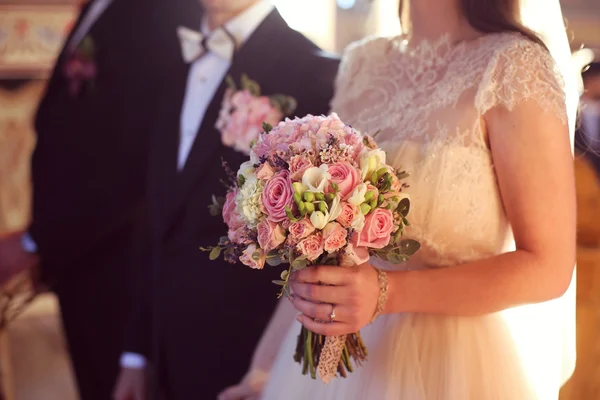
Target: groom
(201,319)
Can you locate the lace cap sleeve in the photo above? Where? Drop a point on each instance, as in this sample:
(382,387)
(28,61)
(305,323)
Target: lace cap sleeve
(523,71)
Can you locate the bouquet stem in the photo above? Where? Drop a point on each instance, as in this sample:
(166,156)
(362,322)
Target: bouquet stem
(310,345)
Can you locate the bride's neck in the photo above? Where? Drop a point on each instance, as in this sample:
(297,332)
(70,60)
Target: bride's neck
(430,19)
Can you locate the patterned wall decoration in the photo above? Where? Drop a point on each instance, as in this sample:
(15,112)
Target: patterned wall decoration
(31,37)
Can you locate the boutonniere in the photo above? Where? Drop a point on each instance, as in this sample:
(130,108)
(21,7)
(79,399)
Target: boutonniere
(80,66)
(244,112)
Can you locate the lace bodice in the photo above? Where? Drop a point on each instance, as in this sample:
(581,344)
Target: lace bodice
(428,105)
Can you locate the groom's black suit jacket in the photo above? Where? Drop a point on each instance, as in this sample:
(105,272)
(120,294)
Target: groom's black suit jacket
(89,178)
(203,318)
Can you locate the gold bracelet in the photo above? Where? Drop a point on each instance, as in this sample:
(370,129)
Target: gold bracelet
(383,293)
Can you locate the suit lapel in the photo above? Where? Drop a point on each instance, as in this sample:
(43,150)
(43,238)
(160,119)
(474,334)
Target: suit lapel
(249,59)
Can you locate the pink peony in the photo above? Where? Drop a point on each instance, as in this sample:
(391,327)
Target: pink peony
(347,215)
(270,235)
(354,256)
(253,257)
(334,237)
(376,233)
(311,247)
(230,214)
(277,195)
(346,177)
(300,230)
(299,164)
(265,171)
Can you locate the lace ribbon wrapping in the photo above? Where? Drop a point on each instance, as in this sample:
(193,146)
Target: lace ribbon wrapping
(330,357)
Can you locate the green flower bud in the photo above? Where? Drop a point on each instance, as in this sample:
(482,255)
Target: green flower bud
(369,195)
(381,172)
(320,196)
(298,187)
(373,204)
(380,199)
(322,206)
(309,197)
(310,207)
(365,208)
(297,198)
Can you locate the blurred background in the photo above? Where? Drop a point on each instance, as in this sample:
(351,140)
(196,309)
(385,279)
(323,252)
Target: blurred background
(33,360)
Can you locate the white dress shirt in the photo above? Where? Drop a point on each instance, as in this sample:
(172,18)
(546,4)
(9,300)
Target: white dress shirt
(204,78)
(93,13)
(207,73)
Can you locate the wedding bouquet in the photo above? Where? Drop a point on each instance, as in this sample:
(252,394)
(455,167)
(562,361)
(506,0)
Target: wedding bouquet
(315,192)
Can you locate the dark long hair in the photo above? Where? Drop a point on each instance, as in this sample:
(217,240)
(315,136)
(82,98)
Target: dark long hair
(492,16)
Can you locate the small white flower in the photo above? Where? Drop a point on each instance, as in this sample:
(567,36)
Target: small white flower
(319,219)
(246,170)
(335,209)
(316,179)
(358,195)
(371,161)
(359,222)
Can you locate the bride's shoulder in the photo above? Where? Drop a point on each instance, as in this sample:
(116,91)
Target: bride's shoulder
(515,48)
(370,46)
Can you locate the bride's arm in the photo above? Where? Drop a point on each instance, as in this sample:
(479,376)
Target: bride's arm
(534,166)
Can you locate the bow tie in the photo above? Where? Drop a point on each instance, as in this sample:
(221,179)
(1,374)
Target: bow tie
(194,44)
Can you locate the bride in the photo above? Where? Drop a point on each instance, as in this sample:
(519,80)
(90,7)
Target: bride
(472,104)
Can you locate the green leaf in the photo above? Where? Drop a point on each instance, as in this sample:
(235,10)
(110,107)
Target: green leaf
(404,207)
(284,274)
(299,264)
(267,128)
(241,180)
(230,83)
(274,261)
(409,246)
(215,253)
(280,283)
(250,85)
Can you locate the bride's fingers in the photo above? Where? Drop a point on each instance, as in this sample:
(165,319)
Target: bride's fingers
(320,293)
(321,312)
(324,274)
(327,328)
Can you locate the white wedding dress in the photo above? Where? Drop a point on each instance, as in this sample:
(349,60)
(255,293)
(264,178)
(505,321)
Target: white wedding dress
(428,104)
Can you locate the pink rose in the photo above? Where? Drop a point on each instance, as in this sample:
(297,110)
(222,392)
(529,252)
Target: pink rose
(270,235)
(230,214)
(377,230)
(265,171)
(278,195)
(311,247)
(300,230)
(347,215)
(352,256)
(253,257)
(345,176)
(299,164)
(334,237)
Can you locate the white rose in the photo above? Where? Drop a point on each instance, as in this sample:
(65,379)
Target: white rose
(358,195)
(316,179)
(318,219)
(371,161)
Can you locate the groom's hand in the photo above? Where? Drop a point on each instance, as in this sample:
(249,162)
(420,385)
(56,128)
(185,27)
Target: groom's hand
(131,384)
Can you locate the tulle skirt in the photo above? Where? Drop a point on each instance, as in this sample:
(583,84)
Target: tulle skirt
(513,355)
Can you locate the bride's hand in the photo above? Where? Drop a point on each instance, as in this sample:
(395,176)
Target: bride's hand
(352,295)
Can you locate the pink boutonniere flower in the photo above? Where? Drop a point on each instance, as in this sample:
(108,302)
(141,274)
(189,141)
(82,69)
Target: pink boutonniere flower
(80,67)
(244,112)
